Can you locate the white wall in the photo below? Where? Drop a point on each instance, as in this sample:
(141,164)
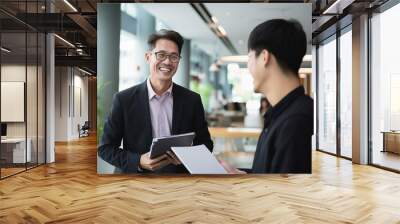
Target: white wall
(33,126)
(12,73)
(70,83)
(61,103)
(80,84)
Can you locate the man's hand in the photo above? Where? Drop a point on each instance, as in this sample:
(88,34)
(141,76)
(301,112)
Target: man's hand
(153,164)
(172,158)
(230,169)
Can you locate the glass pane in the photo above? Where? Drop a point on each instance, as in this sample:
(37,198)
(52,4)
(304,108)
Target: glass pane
(41,99)
(31,98)
(385,89)
(13,87)
(327,96)
(346,94)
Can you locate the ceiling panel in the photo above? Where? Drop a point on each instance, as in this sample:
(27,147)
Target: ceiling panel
(239,19)
(183,18)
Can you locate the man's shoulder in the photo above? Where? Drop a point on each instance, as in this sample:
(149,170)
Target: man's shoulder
(303,105)
(300,110)
(298,115)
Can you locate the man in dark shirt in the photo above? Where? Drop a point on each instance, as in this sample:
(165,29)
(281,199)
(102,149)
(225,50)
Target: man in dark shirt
(276,50)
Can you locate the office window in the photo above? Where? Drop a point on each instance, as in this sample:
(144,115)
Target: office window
(385,88)
(31,99)
(136,25)
(327,95)
(128,64)
(22,96)
(129,68)
(346,93)
(13,87)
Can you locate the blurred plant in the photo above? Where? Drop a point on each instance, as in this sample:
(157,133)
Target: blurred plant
(101,111)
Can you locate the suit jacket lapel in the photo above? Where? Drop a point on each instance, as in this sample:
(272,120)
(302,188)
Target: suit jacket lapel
(143,98)
(176,109)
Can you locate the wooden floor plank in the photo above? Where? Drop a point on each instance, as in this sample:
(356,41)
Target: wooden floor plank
(70,191)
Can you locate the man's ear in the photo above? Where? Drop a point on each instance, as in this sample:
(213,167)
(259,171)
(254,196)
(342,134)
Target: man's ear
(147,56)
(266,56)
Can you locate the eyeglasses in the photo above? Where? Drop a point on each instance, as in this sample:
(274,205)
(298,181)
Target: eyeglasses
(161,56)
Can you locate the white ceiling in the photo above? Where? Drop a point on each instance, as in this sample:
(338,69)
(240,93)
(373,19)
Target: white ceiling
(182,18)
(238,19)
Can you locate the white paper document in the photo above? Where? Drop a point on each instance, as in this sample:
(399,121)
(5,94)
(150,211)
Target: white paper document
(198,160)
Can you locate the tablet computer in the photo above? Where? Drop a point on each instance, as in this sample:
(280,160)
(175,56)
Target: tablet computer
(161,145)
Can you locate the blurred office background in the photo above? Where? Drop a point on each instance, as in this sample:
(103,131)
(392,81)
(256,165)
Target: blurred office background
(51,73)
(214,61)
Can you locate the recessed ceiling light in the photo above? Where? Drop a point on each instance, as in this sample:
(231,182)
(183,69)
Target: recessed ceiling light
(307,57)
(222,30)
(337,7)
(84,71)
(305,70)
(5,50)
(214,19)
(64,40)
(70,5)
(235,58)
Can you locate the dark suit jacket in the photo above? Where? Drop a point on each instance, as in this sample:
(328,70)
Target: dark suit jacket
(130,121)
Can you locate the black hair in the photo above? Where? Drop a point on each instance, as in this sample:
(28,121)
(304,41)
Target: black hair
(262,100)
(165,34)
(285,39)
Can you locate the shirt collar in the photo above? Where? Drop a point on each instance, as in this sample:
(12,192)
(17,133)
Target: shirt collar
(285,102)
(152,93)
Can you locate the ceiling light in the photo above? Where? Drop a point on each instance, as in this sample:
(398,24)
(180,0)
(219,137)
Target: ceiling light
(64,40)
(84,71)
(214,19)
(235,58)
(222,30)
(307,57)
(5,50)
(245,58)
(305,70)
(333,6)
(70,5)
(338,6)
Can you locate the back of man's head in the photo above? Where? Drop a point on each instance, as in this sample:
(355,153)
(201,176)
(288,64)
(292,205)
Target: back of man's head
(285,39)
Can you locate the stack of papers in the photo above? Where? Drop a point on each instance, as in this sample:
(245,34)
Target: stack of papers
(198,160)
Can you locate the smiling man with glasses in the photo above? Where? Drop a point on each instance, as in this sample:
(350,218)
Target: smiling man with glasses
(155,108)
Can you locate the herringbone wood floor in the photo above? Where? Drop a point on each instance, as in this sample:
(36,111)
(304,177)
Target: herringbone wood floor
(70,191)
